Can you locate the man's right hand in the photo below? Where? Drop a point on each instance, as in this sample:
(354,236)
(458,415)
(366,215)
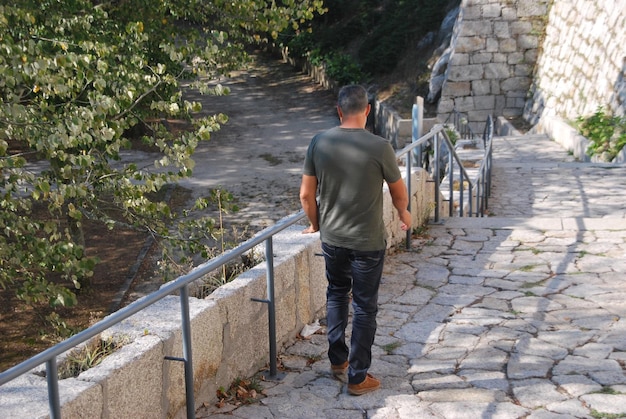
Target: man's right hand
(310,229)
(405,219)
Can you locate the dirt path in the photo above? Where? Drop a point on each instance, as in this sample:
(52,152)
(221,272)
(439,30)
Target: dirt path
(274,112)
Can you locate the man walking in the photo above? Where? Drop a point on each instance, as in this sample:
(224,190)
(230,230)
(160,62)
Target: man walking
(348,165)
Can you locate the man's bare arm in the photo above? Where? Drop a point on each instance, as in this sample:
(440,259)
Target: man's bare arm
(400,200)
(308,192)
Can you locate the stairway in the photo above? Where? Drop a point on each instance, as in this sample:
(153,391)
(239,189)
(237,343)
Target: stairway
(534,176)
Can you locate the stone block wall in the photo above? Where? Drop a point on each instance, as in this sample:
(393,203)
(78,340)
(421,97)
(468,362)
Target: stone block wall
(539,59)
(583,61)
(495,45)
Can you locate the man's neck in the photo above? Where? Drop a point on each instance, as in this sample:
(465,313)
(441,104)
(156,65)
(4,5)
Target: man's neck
(352,123)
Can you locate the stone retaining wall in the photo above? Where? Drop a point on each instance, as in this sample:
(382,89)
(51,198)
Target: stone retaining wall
(540,59)
(583,61)
(495,45)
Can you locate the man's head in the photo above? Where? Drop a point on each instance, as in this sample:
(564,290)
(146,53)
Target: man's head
(353,106)
(352,100)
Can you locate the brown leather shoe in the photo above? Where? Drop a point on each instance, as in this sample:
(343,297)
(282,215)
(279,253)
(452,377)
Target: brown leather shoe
(339,369)
(369,384)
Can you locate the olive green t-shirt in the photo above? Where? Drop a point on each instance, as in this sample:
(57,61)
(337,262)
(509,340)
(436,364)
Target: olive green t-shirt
(350,166)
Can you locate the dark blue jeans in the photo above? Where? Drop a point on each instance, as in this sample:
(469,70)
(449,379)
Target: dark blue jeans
(360,272)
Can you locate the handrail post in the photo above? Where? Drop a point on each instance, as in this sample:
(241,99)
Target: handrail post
(187,351)
(416,129)
(461,193)
(52,378)
(488,174)
(409,193)
(470,195)
(483,200)
(271,306)
(489,167)
(269,257)
(486,189)
(451,179)
(436,176)
(479,196)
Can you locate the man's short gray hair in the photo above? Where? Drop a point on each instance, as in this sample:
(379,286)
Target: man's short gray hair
(352,99)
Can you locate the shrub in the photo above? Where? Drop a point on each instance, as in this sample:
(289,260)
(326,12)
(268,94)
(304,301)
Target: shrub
(606,134)
(91,355)
(340,67)
(301,44)
(343,69)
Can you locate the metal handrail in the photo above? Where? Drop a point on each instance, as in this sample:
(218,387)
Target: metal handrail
(461,125)
(49,356)
(482,184)
(180,285)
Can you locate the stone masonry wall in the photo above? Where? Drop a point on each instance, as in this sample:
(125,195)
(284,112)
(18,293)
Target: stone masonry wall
(495,46)
(583,61)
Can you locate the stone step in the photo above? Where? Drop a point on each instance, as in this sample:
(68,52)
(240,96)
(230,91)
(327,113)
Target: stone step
(537,223)
(529,148)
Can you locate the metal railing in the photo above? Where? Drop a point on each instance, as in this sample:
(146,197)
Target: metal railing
(181,284)
(463,127)
(435,140)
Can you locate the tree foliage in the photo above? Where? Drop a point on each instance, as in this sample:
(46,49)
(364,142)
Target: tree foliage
(78,80)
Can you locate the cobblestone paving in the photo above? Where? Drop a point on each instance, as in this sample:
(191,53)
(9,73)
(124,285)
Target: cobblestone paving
(519,315)
(535,177)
